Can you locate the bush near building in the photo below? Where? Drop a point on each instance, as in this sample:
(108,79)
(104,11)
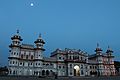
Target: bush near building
(3,71)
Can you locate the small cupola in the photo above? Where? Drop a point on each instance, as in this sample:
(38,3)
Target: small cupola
(39,42)
(98,49)
(109,51)
(16,36)
(16,39)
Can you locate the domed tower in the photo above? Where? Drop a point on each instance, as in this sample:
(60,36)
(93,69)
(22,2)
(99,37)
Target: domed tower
(99,60)
(110,61)
(39,54)
(14,53)
(39,43)
(16,39)
(109,51)
(98,50)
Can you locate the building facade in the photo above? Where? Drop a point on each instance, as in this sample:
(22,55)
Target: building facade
(28,60)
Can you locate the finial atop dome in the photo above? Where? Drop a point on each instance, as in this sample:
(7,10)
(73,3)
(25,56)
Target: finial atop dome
(16,39)
(39,35)
(17,31)
(98,49)
(39,40)
(97,45)
(17,36)
(109,49)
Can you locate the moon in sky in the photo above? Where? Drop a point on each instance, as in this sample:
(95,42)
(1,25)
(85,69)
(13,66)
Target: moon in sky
(31,4)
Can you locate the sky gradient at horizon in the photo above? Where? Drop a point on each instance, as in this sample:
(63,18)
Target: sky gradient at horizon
(79,24)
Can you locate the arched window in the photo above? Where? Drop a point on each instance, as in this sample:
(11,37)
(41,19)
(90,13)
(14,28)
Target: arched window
(59,67)
(16,62)
(36,72)
(70,73)
(13,72)
(82,72)
(70,58)
(70,65)
(47,73)
(14,53)
(51,71)
(81,66)
(38,63)
(26,56)
(90,67)
(63,67)
(81,58)
(13,62)
(31,63)
(22,56)
(31,56)
(43,72)
(10,62)
(59,57)
(95,67)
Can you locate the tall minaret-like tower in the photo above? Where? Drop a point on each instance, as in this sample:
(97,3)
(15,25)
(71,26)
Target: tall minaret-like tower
(39,55)
(14,54)
(110,60)
(98,50)
(109,51)
(99,59)
(39,43)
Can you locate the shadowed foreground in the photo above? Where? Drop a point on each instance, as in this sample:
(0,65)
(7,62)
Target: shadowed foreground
(60,78)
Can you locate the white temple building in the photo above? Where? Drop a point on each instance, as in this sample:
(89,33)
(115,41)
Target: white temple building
(28,60)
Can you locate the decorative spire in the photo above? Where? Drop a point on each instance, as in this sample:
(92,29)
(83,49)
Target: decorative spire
(17,31)
(97,45)
(39,35)
(39,40)
(16,38)
(98,48)
(109,49)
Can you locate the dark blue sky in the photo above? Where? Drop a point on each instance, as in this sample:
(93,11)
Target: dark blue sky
(76,24)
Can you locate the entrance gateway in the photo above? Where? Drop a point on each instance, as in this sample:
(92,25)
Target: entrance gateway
(76,70)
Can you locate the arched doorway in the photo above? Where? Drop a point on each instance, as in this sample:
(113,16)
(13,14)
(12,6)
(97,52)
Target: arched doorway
(76,70)
(13,72)
(43,72)
(47,73)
